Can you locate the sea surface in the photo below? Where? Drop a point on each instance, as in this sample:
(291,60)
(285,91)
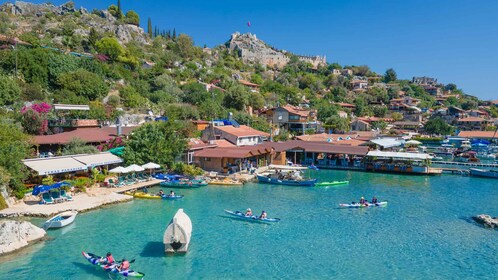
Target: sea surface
(425,232)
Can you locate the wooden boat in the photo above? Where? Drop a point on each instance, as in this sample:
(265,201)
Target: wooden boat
(61,220)
(484,173)
(177,235)
(225,182)
(285,175)
(143,195)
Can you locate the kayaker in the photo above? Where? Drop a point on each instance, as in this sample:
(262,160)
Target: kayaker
(374,200)
(124,266)
(171,193)
(109,259)
(248,212)
(263,215)
(160,193)
(362,200)
(144,190)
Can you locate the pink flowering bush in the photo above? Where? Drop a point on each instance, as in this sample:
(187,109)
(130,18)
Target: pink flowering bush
(111,143)
(34,118)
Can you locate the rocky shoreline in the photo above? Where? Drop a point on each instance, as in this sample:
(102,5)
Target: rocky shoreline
(15,235)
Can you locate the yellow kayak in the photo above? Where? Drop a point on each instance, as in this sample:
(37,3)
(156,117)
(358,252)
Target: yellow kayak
(226,182)
(143,195)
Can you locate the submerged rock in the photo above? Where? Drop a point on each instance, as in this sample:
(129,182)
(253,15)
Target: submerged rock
(487,220)
(17,234)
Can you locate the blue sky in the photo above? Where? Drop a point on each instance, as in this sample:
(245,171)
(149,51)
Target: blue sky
(455,41)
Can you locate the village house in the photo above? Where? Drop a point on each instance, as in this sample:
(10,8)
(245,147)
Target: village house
(432,90)
(359,85)
(292,118)
(478,113)
(360,125)
(473,123)
(238,135)
(342,114)
(252,86)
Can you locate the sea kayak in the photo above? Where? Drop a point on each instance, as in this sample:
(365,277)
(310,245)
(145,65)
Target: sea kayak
(368,204)
(164,196)
(333,183)
(112,268)
(252,218)
(143,195)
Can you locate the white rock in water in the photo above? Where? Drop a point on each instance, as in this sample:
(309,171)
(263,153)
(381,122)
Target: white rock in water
(16,234)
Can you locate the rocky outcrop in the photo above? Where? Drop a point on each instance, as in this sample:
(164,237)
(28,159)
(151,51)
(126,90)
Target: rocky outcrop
(28,15)
(253,50)
(487,220)
(16,234)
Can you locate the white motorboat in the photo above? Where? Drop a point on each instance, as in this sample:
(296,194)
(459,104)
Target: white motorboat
(177,235)
(61,220)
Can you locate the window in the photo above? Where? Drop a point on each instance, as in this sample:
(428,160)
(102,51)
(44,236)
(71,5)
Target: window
(293,117)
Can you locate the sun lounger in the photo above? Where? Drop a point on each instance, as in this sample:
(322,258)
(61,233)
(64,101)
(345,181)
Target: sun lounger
(46,199)
(65,196)
(56,196)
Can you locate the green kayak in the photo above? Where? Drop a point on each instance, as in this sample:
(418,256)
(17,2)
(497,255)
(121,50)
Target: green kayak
(334,183)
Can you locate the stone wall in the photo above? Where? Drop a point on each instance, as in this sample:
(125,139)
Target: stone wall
(18,234)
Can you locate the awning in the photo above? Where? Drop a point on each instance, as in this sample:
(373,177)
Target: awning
(387,142)
(382,154)
(47,166)
(98,159)
(71,107)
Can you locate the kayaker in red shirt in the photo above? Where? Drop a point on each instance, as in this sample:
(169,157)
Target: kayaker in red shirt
(109,259)
(124,266)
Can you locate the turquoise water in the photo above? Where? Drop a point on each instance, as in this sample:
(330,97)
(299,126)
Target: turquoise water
(424,233)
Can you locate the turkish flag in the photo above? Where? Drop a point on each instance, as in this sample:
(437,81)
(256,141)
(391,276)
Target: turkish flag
(249,23)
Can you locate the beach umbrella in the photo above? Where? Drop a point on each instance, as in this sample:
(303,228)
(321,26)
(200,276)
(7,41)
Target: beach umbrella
(413,142)
(135,168)
(119,170)
(151,165)
(45,188)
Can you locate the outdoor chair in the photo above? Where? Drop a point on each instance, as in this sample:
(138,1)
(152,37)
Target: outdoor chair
(56,197)
(111,183)
(66,196)
(46,199)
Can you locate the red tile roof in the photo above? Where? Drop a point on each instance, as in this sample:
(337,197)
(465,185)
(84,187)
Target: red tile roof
(247,83)
(471,119)
(88,135)
(197,144)
(478,134)
(241,131)
(297,111)
(222,143)
(346,105)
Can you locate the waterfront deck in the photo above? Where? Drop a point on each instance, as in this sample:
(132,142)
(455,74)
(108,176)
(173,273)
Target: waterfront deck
(466,164)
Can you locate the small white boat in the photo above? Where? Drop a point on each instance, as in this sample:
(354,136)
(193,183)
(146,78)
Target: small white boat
(177,235)
(61,220)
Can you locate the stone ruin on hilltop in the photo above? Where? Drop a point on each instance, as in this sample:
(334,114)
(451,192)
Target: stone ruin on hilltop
(253,50)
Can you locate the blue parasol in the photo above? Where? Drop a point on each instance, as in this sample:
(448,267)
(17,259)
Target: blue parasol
(44,188)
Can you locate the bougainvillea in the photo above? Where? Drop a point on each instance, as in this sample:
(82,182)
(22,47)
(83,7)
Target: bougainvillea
(34,118)
(111,143)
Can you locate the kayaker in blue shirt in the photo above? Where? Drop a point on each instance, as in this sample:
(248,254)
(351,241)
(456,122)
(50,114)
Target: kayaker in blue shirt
(374,200)
(248,212)
(263,215)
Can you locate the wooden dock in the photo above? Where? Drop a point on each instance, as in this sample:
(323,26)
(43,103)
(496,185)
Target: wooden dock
(466,164)
(137,186)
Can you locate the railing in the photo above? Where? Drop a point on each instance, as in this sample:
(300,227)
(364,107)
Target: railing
(73,123)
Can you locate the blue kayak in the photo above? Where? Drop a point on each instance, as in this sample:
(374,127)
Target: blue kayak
(171,197)
(252,218)
(368,204)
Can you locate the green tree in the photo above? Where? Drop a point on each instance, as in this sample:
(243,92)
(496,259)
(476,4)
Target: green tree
(93,37)
(160,142)
(132,18)
(110,47)
(9,91)
(149,27)
(14,147)
(397,116)
(83,83)
(451,87)
(77,146)
(337,124)
(390,76)
(119,10)
(237,97)
(438,126)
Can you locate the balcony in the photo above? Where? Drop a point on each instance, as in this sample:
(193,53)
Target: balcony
(73,123)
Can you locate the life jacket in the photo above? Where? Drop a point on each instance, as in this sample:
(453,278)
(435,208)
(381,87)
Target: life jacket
(125,265)
(110,259)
